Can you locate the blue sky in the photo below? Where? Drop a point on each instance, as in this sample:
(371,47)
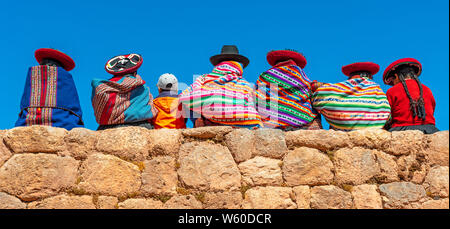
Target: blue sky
(180,36)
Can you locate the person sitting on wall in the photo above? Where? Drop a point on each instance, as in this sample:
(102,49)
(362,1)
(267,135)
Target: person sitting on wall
(223,97)
(283,93)
(412,103)
(170,114)
(356,103)
(50,97)
(123,100)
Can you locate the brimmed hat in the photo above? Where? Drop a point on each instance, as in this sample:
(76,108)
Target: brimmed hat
(47,53)
(370,67)
(409,61)
(167,81)
(276,56)
(229,52)
(124,64)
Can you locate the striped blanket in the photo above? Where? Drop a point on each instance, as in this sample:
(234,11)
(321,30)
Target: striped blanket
(283,97)
(223,97)
(122,99)
(352,104)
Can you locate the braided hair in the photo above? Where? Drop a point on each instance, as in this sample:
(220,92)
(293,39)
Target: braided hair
(417,107)
(362,74)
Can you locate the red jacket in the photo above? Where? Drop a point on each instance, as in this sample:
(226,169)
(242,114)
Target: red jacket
(401,114)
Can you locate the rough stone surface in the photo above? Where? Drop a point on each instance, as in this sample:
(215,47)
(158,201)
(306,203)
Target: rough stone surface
(269,198)
(323,140)
(129,143)
(207,166)
(241,143)
(355,166)
(413,167)
(35,176)
(406,142)
(270,143)
(10,202)
(159,176)
(437,181)
(306,166)
(5,154)
(209,132)
(109,175)
(64,202)
(141,204)
(107,202)
(165,141)
(437,148)
(398,195)
(183,202)
(223,200)
(261,171)
(330,197)
(80,143)
(388,168)
(366,197)
(436,204)
(371,138)
(302,196)
(36,139)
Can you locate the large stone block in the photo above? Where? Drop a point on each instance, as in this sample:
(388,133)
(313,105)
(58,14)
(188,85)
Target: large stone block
(436,204)
(165,141)
(437,181)
(302,196)
(109,175)
(355,166)
(208,167)
(241,143)
(10,202)
(269,198)
(34,176)
(208,132)
(330,197)
(36,139)
(223,200)
(107,202)
(141,203)
(437,149)
(366,197)
(406,142)
(399,195)
(5,154)
(64,202)
(183,202)
(371,138)
(261,171)
(306,166)
(413,167)
(388,168)
(270,143)
(159,176)
(80,143)
(324,140)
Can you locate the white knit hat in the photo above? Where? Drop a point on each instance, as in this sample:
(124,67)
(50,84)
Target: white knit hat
(168,82)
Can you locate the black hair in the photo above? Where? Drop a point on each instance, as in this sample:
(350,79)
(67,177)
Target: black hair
(417,107)
(50,62)
(362,74)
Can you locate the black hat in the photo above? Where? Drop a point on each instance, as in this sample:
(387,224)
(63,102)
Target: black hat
(229,52)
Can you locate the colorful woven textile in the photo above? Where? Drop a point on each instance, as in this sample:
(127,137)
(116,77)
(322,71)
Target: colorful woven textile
(123,99)
(50,98)
(223,97)
(353,104)
(283,97)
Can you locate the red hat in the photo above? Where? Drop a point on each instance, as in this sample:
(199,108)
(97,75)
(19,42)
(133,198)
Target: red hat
(46,53)
(410,61)
(370,67)
(116,67)
(273,57)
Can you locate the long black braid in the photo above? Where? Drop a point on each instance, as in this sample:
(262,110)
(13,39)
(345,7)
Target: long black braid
(417,107)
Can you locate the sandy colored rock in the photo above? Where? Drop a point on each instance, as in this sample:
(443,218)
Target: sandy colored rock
(269,198)
(370,138)
(406,142)
(436,204)
(366,197)
(208,167)
(399,195)
(129,143)
(355,166)
(36,139)
(34,176)
(80,143)
(208,132)
(223,200)
(388,168)
(437,181)
(10,202)
(159,176)
(5,154)
(109,175)
(261,171)
(64,202)
(107,202)
(324,140)
(183,202)
(165,141)
(241,143)
(302,196)
(306,166)
(270,143)
(330,197)
(413,167)
(141,203)
(437,149)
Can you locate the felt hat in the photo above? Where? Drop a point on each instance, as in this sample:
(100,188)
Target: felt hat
(370,67)
(409,61)
(229,52)
(276,56)
(124,64)
(47,53)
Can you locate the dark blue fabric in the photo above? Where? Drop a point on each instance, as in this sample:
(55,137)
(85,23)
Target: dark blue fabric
(167,94)
(67,113)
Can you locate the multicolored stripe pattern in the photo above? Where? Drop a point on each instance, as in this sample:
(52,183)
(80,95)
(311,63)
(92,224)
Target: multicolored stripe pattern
(223,97)
(283,97)
(353,104)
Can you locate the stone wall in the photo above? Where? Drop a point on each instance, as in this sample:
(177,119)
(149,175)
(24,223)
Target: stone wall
(222,167)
